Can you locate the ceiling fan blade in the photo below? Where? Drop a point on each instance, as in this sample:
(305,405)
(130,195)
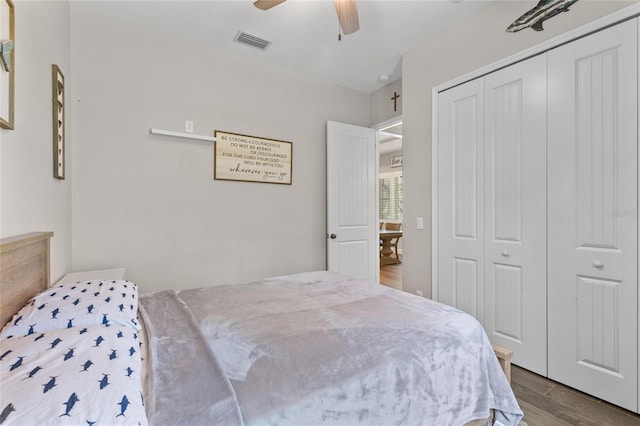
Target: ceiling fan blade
(266,4)
(347,15)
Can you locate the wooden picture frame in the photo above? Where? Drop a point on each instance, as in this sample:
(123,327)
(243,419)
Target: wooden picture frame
(57,85)
(8,66)
(252,159)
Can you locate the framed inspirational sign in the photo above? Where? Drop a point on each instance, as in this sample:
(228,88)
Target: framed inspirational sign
(252,159)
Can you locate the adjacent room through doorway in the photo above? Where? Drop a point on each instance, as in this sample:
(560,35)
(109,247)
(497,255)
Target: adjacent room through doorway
(390,204)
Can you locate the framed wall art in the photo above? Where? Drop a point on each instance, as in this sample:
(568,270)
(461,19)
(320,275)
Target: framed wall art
(252,159)
(396,161)
(7,61)
(58,122)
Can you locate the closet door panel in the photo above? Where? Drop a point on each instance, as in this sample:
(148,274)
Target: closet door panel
(515,211)
(461,198)
(593,233)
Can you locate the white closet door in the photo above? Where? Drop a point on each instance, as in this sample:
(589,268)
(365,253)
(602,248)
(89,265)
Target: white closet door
(593,235)
(461,198)
(515,211)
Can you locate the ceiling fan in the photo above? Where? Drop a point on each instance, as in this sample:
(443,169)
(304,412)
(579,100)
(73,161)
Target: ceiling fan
(346,9)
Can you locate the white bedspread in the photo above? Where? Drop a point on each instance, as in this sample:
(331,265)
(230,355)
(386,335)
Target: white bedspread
(318,348)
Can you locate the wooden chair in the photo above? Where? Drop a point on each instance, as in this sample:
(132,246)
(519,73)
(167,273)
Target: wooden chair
(394,241)
(392,226)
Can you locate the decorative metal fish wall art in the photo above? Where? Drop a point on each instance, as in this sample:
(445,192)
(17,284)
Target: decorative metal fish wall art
(544,10)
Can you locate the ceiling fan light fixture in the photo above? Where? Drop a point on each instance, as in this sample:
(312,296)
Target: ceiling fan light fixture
(266,4)
(347,11)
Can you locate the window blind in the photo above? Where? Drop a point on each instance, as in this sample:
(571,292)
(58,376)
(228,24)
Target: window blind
(390,196)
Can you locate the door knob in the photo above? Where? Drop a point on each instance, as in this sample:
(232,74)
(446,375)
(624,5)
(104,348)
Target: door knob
(333,236)
(597,264)
(505,253)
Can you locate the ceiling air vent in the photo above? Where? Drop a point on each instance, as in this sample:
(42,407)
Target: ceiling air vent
(254,41)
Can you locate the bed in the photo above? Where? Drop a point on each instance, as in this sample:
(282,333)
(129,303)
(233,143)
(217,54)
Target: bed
(303,349)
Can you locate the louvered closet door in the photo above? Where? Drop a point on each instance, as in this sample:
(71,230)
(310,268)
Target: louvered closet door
(461,198)
(593,235)
(515,211)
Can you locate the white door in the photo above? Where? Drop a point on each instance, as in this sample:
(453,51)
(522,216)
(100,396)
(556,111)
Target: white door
(593,235)
(460,209)
(515,193)
(352,211)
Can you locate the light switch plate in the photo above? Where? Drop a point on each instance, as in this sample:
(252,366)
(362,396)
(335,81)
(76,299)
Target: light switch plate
(420,223)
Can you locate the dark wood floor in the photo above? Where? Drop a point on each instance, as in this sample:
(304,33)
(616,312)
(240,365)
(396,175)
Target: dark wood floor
(547,403)
(543,401)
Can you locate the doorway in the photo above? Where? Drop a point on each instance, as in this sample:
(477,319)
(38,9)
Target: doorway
(390,202)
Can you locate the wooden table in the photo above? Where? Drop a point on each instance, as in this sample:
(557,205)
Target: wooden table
(386,254)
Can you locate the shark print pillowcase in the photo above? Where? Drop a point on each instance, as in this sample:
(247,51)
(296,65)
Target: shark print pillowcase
(77,304)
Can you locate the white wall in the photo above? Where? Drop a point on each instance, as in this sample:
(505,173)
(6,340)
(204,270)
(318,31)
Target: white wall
(30,198)
(150,203)
(381,103)
(475,42)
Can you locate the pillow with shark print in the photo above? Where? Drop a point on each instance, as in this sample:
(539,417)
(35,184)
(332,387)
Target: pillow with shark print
(81,375)
(75,305)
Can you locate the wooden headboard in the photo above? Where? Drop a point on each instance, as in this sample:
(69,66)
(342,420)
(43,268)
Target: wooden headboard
(24,270)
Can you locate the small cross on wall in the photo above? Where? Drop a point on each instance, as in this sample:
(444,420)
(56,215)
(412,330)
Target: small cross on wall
(394,98)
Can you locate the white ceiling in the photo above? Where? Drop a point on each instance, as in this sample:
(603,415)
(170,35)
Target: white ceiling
(304,33)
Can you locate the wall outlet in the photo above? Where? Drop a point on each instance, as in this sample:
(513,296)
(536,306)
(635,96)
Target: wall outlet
(419,292)
(188,126)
